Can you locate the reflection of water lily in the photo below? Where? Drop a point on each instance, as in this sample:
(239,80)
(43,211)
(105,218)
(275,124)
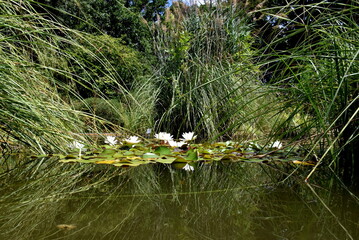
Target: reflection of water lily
(176,144)
(188,167)
(76,145)
(277,144)
(164,136)
(111,140)
(132,139)
(189,136)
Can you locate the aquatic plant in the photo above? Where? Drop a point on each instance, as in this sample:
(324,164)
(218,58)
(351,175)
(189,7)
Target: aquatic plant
(164,136)
(76,145)
(111,140)
(277,144)
(132,139)
(175,143)
(188,136)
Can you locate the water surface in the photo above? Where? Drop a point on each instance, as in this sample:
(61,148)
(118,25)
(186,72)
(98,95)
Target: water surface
(215,201)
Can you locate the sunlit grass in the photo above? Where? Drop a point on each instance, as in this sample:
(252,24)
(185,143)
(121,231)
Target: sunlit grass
(317,77)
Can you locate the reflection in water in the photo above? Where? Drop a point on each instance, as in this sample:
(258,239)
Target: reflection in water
(216,201)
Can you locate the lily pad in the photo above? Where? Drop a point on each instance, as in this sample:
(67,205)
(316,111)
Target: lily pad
(167,160)
(192,155)
(162,150)
(150,156)
(107,153)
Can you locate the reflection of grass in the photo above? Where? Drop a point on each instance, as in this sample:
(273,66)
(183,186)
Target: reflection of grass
(138,200)
(216,201)
(296,210)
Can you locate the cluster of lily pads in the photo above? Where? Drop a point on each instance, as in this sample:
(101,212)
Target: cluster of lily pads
(182,153)
(131,148)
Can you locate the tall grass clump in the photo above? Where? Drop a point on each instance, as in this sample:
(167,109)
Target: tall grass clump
(115,81)
(206,78)
(47,69)
(32,111)
(312,57)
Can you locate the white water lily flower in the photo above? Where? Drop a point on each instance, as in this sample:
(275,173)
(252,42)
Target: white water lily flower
(111,140)
(176,144)
(188,167)
(132,139)
(253,146)
(164,136)
(76,144)
(277,144)
(189,136)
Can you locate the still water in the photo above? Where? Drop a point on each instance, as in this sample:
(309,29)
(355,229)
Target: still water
(215,201)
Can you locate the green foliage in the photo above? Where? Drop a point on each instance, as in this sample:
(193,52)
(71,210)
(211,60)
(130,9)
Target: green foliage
(107,64)
(107,16)
(205,70)
(317,75)
(133,114)
(32,112)
(44,65)
(150,10)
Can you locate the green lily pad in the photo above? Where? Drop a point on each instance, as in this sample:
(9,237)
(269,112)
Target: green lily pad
(192,155)
(150,156)
(167,160)
(129,164)
(178,165)
(107,153)
(71,156)
(74,160)
(163,150)
(180,159)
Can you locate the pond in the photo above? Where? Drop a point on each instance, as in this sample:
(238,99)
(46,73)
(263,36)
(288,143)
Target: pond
(215,201)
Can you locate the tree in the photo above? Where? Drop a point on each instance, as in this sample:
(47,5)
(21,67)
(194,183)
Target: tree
(107,16)
(150,9)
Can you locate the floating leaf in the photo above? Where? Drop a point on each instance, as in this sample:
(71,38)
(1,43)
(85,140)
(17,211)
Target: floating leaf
(303,163)
(228,157)
(107,162)
(180,159)
(192,155)
(70,156)
(178,165)
(150,156)
(107,153)
(74,160)
(129,164)
(163,150)
(118,155)
(167,160)
(132,158)
(128,153)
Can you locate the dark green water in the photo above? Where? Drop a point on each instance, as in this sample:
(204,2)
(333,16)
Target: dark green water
(223,201)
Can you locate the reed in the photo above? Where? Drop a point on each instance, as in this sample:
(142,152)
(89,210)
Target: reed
(316,73)
(45,69)
(206,76)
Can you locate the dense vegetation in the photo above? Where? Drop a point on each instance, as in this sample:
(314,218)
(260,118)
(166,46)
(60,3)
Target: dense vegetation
(258,71)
